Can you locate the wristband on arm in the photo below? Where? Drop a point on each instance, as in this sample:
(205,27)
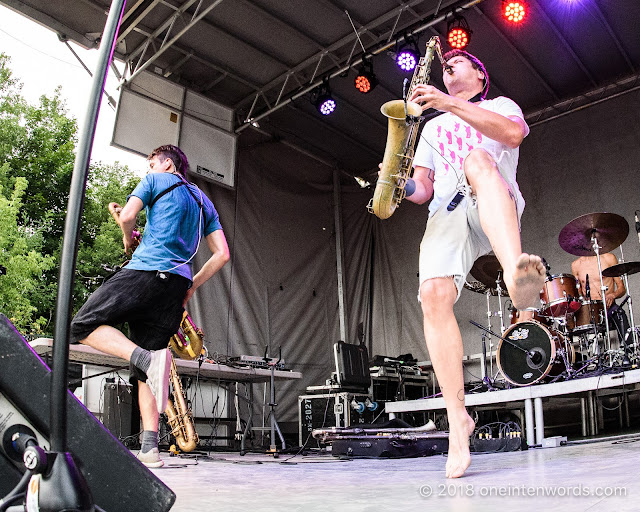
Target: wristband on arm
(410,186)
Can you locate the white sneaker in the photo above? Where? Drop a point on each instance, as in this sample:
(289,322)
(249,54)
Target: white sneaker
(158,377)
(151,459)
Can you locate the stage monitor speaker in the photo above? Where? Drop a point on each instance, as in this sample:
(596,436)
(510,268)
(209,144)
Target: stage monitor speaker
(118,481)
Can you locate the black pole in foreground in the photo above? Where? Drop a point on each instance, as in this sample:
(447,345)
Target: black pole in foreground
(62,486)
(72,232)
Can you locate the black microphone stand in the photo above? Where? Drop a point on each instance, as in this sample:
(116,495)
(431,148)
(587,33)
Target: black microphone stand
(57,483)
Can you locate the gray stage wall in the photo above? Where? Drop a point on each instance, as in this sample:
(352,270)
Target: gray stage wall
(280,289)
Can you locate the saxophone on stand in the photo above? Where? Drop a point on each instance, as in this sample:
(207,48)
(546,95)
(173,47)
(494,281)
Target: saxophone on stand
(404,123)
(187,343)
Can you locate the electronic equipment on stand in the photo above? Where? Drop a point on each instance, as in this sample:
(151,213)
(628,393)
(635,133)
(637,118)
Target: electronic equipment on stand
(345,399)
(272,406)
(272,364)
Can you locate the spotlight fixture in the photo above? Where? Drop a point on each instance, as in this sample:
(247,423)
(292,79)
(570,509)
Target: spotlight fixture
(365,80)
(322,99)
(408,55)
(514,11)
(458,32)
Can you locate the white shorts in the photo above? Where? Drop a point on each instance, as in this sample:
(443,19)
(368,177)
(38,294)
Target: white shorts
(453,241)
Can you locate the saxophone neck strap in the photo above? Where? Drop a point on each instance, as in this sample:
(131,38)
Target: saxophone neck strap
(169,189)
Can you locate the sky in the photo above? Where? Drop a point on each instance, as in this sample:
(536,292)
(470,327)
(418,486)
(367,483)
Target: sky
(42,63)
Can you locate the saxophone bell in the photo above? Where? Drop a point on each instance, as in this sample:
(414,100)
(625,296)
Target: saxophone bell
(404,119)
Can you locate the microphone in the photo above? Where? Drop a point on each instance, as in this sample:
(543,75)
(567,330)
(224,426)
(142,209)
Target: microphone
(535,356)
(587,290)
(637,226)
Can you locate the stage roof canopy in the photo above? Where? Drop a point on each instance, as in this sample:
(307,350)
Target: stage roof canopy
(264,58)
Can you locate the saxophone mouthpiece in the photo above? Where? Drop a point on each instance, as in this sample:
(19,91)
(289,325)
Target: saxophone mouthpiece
(448,69)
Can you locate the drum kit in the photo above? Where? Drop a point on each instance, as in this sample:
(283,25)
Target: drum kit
(569,333)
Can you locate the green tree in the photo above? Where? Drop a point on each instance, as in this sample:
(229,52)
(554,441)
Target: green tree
(37,145)
(25,266)
(100,248)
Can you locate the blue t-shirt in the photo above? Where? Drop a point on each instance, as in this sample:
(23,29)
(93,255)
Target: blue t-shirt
(170,235)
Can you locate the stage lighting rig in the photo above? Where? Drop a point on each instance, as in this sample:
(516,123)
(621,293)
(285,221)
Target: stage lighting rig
(514,11)
(458,32)
(365,80)
(408,55)
(322,99)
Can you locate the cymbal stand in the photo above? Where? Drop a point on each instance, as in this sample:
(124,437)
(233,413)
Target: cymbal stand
(500,291)
(634,334)
(483,363)
(603,288)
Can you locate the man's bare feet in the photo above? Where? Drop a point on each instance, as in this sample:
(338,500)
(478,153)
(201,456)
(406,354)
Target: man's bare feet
(527,281)
(459,458)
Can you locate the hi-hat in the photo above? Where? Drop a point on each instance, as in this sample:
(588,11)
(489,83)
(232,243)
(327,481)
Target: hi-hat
(486,270)
(630,267)
(609,229)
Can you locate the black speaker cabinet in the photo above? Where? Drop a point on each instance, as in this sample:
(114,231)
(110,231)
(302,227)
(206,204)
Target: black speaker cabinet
(118,481)
(118,400)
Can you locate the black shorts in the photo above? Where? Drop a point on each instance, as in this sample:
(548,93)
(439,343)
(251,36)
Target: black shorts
(149,301)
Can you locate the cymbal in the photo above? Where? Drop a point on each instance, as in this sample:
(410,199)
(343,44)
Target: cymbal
(610,230)
(477,287)
(486,269)
(630,267)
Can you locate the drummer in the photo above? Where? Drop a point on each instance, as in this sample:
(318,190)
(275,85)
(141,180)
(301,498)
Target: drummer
(588,266)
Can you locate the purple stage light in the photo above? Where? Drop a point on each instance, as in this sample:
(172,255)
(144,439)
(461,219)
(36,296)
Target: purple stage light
(327,106)
(407,60)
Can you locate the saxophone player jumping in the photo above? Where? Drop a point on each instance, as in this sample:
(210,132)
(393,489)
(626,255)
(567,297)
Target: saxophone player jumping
(465,163)
(151,291)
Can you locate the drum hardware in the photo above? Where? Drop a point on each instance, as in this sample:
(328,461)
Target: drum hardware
(536,357)
(595,233)
(549,356)
(488,271)
(624,270)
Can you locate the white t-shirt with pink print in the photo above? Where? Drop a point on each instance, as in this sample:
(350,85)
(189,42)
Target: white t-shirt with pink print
(450,140)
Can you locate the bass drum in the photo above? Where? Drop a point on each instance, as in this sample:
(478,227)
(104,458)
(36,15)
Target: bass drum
(537,356)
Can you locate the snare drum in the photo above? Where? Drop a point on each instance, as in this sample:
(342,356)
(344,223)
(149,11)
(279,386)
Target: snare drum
(549,349)
(589,316)
(556,294)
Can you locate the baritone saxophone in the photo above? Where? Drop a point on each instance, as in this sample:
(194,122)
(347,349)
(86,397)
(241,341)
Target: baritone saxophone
(404,123)
(187,343)
(179,415)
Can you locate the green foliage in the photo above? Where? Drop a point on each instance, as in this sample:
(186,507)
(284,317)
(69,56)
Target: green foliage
(37,145)
(101,247)
(25,265)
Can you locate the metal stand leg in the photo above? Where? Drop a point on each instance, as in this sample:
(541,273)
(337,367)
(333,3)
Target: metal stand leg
(247,427)
(528,422)
(583,416)
(592,415)
(634,334)
(537,404)
(603,289)
(272,414)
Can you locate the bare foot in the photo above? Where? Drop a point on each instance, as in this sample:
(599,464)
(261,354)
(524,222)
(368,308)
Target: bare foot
(526,282)
(459,458)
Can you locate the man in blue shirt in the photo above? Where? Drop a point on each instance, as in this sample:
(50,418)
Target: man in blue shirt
(150,293)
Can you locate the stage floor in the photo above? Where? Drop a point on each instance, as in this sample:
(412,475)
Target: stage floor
(597,475)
